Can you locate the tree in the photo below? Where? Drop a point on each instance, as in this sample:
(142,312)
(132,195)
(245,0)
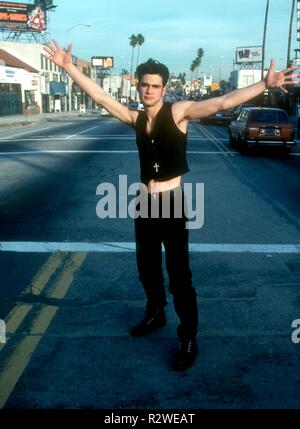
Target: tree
(192,68)
(200,55)
(140,41)
(133,43)
(196,64)
(181,77)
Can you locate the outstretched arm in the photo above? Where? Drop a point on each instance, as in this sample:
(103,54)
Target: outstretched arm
(188,110)
(63,59)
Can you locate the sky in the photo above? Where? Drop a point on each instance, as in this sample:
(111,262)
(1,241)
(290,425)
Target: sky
(174,31)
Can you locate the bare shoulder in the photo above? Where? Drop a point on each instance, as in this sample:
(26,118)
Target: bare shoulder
(189,110)
(180,107)
(179,114)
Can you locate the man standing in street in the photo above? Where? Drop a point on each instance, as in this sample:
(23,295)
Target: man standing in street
(161,131)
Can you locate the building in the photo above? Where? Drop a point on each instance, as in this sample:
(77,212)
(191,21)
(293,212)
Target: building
(19,86)
(244,77)
(52,80)
(79,99)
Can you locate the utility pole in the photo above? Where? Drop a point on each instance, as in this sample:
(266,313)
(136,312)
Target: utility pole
(288,61)
(264,42)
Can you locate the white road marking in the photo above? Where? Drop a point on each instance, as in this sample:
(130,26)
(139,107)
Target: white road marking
(81,132)
(92,137)
(40,152)
(24,133)
(68,138)
(117,247)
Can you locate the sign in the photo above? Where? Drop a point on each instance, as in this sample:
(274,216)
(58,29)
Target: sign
(250,54)
(103,62)
(82,108)
(22,17)
(215,86)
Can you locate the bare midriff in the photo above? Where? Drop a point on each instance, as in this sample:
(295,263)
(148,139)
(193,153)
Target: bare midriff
(155,186)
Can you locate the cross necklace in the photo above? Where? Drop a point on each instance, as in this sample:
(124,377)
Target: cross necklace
(156,166)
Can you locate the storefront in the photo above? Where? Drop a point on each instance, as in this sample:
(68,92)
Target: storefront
(58,93)
(10,99)
(19,91)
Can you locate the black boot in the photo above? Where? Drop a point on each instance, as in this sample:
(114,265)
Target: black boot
(185,355)
(153,320)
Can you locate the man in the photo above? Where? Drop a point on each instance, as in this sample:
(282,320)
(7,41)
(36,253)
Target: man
(161,131)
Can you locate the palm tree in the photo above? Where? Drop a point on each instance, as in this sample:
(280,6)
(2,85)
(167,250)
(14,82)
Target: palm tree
(133,43)
(200,55)
(140,41)
(181,77)
(197,62)
(192,68)
(289,62)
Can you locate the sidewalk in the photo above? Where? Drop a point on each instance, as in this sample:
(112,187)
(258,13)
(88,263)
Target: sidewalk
(7,122)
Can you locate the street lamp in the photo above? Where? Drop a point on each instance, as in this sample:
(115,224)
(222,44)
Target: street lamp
(87,24)
(69,79)
(264,41)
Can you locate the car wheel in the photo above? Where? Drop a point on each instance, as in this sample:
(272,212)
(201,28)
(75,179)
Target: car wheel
(241,146)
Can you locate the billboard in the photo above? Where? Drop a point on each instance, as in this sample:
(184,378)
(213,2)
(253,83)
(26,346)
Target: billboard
(22,16)
(103,62)
(249,54)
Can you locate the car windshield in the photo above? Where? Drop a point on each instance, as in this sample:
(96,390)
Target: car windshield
(274,116)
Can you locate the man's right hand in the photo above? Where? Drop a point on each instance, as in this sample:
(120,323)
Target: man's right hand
(57,55)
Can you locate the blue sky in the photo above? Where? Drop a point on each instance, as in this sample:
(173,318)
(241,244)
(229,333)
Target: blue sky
(174,30)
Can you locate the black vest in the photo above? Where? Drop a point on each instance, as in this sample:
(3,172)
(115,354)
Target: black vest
(162,152)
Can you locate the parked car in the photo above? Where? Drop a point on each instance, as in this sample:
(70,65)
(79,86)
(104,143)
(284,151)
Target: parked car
(135,105)
(237,110)
(104,112)
(223,117)
(261,126)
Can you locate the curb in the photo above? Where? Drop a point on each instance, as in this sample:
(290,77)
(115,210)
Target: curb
(25,123)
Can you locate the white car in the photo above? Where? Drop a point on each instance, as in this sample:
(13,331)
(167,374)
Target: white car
(104,112)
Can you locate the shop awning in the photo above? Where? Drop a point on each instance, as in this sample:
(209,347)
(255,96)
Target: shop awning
(57,88)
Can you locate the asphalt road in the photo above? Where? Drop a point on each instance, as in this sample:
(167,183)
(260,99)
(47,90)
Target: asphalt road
(69,290)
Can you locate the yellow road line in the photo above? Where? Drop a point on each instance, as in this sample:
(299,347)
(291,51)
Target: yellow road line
(213,139)
(37,285)
(20,358)
(61,286)
(219,141)
(42,277)
(15,366)
(14,320)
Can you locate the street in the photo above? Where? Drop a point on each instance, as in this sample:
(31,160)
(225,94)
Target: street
(69,290)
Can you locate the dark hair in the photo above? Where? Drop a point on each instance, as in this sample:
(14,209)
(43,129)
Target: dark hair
(153,67)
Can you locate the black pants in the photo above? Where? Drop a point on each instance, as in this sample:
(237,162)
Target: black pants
(150,234)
